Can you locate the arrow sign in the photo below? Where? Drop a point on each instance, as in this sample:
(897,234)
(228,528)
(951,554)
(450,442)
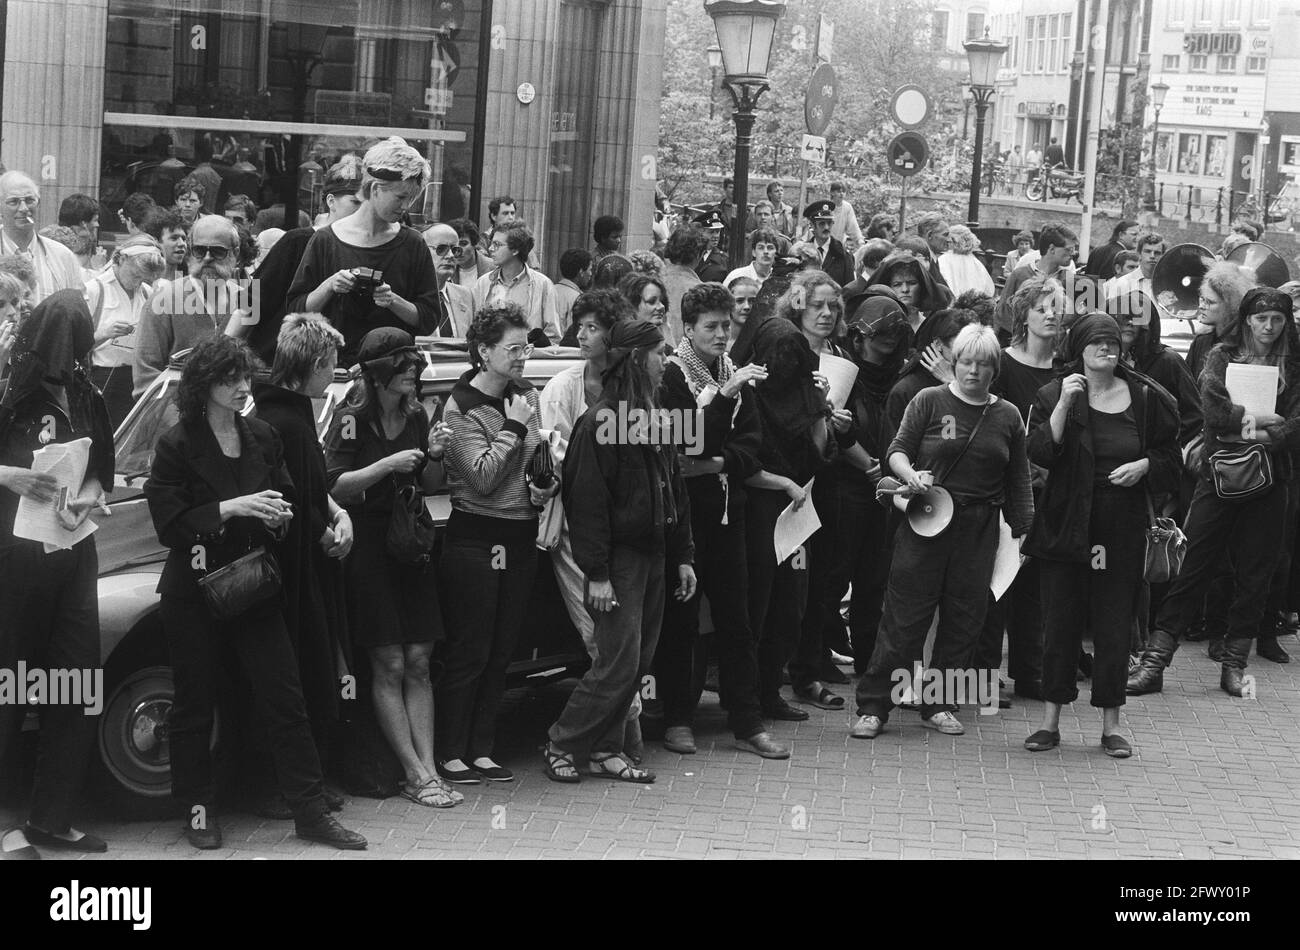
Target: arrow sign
(813,149)
(908,153)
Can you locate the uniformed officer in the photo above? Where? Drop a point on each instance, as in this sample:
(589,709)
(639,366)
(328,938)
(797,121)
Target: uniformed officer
(834,259)
(715,265)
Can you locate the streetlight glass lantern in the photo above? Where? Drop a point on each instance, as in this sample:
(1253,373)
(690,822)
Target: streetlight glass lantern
(984,56)
(745,32)
(1158,92)
(715,56)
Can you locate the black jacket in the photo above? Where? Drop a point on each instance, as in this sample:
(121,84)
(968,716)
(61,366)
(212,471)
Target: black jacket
(838,264)
(1060,531)
(1158,361)
(189,480)
(621,495)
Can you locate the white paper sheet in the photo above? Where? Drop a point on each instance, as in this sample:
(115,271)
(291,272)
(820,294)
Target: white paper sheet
(1007,561)
(1253,386)
(793,528)
(38,521)
(840,373)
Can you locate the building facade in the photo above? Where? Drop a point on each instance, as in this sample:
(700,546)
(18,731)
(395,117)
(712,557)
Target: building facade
(554,102)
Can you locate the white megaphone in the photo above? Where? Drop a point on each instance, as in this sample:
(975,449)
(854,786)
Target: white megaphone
(929,512)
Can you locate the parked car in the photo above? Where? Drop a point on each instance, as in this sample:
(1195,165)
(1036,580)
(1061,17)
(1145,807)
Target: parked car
(133,755)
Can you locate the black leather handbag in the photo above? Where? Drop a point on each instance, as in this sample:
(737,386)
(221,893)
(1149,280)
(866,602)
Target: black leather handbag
(1242,473)
(411,531)
(242,584)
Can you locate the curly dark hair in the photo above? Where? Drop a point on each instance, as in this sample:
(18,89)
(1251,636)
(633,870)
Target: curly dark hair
(633,286)
(706,298)
(611,269)
(686,244)
(981,303)
(465,228)
(606,304)
(190,183)
(218,359)
(490,325)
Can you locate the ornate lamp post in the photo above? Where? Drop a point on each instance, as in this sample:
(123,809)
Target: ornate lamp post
(984,55)
(1158,92)
(745,31)
(715,63)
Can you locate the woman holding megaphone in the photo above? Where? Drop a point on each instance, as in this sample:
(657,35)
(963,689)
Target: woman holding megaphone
(972,444)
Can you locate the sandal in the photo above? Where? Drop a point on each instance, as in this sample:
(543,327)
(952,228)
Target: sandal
(598,768)
(816,694)
(431,793)
(560,766)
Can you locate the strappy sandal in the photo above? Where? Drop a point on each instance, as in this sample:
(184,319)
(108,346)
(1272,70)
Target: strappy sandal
(430,793)
(598,768)
(557,760)
(816,694)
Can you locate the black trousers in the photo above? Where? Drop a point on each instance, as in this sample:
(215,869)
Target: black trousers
(49,618)
(721,569)
(1279,590)
(1019,614)
(810,653)
(777,593)
(1100,597)
(861,559)
(1249,535)
(115,383)
(952,573)
(201,649)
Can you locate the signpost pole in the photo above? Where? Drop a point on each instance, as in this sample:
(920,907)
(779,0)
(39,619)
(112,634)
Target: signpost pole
(803,191)
(902,207)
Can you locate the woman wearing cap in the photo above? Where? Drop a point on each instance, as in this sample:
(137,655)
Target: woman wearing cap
(797,444)
(368,270)
(49,613)
(116,298)
(700,378)
(218,490)
(376,444)
(276,270)
(1108,440)
(628,512)
(1252,530)
(878,339)
(489,556)
(971,443)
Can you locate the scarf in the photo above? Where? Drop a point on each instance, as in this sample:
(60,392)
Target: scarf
(699,377)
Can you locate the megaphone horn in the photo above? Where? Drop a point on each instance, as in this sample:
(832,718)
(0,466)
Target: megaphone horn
(931,513)
(1266,265)
(1176,280)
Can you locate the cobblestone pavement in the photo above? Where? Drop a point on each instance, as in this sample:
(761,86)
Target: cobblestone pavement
(1212,777)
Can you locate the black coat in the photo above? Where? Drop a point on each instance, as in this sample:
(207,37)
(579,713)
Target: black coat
(314,609)
(714,268)
(187,483)
(838,264)
(1061,523)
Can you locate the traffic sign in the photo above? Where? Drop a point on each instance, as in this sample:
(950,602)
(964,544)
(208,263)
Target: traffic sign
(908,153)
(910,106)
(819,102)
(813,149)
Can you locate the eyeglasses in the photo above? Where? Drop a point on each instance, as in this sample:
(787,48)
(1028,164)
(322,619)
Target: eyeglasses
(18,201)
(520,351)
(442,250)
(218,252)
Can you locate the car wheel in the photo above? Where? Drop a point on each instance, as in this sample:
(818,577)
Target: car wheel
(134,748)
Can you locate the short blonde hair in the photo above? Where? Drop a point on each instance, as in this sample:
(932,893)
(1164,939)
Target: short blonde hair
(979,343)
(390,161)
(305,340)
(963,239)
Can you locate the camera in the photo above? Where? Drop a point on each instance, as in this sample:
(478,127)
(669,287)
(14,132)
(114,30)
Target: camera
(366,279)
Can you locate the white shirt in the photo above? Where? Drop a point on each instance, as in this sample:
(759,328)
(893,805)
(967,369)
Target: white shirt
(845,223)
(57,268)
(1127,284)
(747,271)
(116,305)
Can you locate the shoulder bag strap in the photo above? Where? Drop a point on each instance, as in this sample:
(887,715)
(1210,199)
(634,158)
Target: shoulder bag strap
(962,453)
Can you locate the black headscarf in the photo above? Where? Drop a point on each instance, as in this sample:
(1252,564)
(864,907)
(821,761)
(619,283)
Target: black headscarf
(1089,328)
(878,311)
(53,346)
(623,339)
(929,296)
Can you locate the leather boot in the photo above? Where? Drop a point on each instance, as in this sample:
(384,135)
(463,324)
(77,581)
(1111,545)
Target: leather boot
(1236,651)
(1216,650)
(1150,676)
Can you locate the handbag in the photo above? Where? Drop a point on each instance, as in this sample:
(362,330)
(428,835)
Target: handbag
(411,530)
(242,584)
(1242,473)
(1166,547)
(551,520)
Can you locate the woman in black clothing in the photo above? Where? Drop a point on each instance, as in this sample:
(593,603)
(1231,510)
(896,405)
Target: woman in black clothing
(1108,439)
(367,270)
(797,444)
(1222,289)
(376,445)
(930,364)
(321,535)
(910,278)
(49,608)
(1139,327)
(1250,531)
(218,489)
(701,377)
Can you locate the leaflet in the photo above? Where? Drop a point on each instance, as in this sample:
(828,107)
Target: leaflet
(38,520)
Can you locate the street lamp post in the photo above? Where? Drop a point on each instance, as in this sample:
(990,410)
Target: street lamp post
(745,31)
(984,55)
(715,63)
(1158,92)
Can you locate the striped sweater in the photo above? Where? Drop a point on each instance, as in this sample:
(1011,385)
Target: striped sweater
(486,465)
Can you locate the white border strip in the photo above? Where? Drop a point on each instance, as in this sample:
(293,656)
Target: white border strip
(142,120)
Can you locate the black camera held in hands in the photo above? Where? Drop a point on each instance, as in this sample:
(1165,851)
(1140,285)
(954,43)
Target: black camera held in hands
(365,280)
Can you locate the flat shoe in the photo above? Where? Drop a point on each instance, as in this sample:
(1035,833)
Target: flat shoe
(327,830)
(1270,649)
(494,773)
(785,713)
(86,844)
(1042,740)
(762,744)
(944,722)
(457,776)
(816,694)
(679,739)
(622,772)
(1116,746)
(11,850)
(866,727)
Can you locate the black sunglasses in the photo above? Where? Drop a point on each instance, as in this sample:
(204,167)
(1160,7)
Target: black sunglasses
(442,250)
(218,252)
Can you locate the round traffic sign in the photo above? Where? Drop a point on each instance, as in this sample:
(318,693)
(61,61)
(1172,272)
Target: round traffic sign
(908,153)
(910,106)
(819,102)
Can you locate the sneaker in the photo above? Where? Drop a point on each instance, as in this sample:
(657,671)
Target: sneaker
(866,727)
(945,722)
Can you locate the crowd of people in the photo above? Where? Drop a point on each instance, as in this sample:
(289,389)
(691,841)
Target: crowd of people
(1051,427)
